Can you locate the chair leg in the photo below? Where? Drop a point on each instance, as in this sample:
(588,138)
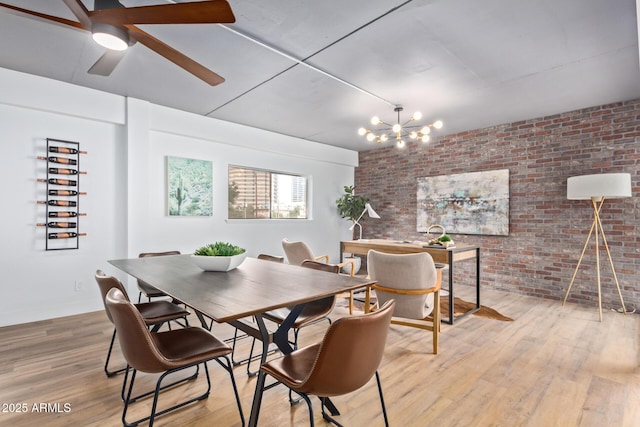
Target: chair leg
(156,393)
(228,366)
(384,408)
(106,363)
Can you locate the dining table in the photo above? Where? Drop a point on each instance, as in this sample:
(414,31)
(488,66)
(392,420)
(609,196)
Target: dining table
(240,296)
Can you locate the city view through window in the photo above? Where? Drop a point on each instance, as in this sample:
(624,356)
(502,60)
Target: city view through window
(260,194)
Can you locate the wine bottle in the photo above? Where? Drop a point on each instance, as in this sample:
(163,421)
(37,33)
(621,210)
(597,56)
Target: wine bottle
(69,235)
(65,150)
(61,160)
(55,181)
(66,193)
(57,224)
(65,203)
(64,171)
(65,214)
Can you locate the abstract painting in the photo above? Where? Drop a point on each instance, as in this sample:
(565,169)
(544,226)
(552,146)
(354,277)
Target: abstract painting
(466,203)
(189,185)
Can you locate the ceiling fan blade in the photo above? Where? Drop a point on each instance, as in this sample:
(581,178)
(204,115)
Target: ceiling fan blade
(43,16)
(80,12)
(174,56)
(201,12)
(107,62)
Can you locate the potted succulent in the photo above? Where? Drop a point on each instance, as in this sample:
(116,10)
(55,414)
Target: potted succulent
(219,256)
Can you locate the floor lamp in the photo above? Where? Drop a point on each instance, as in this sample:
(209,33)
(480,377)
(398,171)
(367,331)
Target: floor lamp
(597,188)
(372,214)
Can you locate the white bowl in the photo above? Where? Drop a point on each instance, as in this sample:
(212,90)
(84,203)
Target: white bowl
(218,263)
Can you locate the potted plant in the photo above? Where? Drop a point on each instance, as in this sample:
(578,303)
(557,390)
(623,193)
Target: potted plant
(219,256)
(350,207)
(443,240)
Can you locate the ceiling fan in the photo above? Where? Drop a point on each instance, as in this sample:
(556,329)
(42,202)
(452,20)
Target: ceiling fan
(110,21)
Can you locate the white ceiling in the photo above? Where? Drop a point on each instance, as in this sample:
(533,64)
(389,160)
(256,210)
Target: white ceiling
(471,63)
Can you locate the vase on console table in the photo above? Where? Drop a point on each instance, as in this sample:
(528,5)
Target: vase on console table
(357,262)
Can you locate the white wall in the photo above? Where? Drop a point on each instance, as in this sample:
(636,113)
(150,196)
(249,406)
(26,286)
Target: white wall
(128,141)
(38,284)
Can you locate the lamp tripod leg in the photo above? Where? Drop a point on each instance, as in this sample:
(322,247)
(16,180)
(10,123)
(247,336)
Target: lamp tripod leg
(584,248)
(613,270)
(596,218)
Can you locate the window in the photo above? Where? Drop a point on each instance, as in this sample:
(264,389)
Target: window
(260,194)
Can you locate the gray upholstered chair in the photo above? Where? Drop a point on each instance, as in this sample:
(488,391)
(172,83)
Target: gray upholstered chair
(346,359)
(297,252)
(413,281)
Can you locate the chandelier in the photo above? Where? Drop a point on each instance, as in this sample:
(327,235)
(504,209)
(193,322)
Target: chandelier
(399,131)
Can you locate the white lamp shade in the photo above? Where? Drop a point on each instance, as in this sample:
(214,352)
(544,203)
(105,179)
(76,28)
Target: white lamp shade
(608,185)
(372,213)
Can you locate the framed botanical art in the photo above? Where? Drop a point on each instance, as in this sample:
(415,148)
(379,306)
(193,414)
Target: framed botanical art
(466,203)
(189,187)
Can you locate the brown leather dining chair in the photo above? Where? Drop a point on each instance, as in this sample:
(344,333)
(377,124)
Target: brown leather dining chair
(164,352)
(154,313)
(145,288)
(274,258)
(236,336)
(298,252)
(313,311)
(344,361)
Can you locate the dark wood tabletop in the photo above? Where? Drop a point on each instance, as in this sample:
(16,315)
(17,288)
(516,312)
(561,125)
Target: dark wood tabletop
(256,286)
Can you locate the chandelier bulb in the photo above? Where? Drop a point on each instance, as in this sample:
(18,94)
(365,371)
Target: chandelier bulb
(425,130)
(362,131)
(426,138)
(370,137)
(375,120)
(416,116)
(438,124)
(384,138)
(400,143)
(396,128)
(413,135)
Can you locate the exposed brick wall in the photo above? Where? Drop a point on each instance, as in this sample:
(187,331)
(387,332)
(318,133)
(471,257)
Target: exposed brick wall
(547,231)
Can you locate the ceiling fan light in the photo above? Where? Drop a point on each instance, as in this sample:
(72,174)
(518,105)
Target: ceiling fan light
(110,36)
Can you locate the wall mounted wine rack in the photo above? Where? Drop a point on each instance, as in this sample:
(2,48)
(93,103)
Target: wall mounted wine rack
(62,195)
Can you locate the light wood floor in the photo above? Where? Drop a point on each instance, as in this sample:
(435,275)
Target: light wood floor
(552,366)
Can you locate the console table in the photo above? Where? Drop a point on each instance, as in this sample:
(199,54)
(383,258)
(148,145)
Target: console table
(448,256)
